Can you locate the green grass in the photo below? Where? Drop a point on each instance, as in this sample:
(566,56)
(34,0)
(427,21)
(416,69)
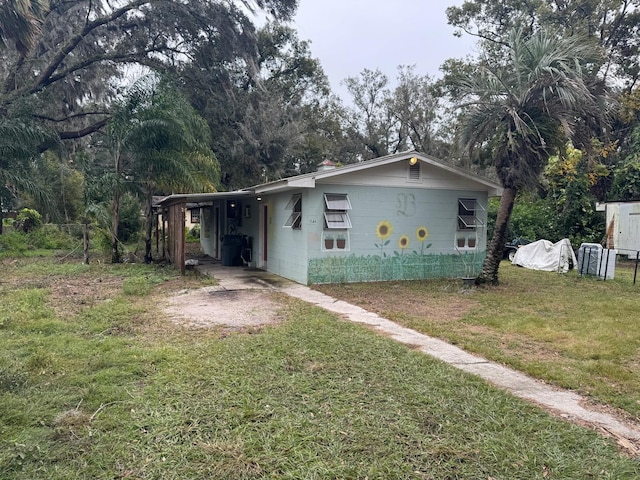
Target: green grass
(576,332)
(116,391)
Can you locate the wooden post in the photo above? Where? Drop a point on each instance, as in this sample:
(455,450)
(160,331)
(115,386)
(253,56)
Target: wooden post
(85,238)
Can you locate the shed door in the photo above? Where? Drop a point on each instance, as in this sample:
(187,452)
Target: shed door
(634,231)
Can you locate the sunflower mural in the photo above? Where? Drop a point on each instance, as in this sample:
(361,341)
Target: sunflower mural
(403,243)
(422,233)
(383,231)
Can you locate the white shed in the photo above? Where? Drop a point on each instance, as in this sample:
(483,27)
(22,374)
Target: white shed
(623,227)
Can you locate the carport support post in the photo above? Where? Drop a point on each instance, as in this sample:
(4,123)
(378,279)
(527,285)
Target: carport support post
(635,272)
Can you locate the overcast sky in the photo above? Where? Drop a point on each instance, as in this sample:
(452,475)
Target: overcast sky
(348,36)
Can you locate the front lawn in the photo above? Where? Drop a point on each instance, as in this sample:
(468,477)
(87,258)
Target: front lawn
(576,332)
(96,382)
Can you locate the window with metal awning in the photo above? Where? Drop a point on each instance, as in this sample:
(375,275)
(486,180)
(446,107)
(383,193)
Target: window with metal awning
(336,215)
(469,214)
(295,219)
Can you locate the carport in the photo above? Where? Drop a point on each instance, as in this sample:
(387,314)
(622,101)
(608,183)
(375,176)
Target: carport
(172,211)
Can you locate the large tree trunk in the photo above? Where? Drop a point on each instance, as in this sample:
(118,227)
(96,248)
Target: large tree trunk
(491,264)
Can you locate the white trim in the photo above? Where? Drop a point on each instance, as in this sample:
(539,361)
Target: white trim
(330,202)
(334,220)
(291,221)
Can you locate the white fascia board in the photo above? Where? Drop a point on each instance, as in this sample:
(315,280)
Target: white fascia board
(284,185)
(308,182)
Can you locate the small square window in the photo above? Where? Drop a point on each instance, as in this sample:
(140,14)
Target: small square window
(337,220)
(337,201)
(295,203)
(294,221)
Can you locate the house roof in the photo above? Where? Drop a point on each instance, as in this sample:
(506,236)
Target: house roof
(309,180)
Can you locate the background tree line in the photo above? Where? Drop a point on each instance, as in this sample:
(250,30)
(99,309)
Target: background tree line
(79,139)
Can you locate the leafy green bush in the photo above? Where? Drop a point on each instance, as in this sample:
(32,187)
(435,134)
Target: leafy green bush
(13,243)
(27,220)
(50,237)
(193,234)
(626,182)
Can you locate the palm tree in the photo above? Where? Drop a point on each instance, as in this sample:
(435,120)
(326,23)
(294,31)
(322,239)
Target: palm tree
(159,144)
(523,110)
(20,22)
(20,145)
(171,152)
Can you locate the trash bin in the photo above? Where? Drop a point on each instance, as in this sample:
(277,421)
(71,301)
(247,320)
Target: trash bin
(231,250)
(595,260)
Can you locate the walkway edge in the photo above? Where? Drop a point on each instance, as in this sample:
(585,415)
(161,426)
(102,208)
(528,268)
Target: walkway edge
(568,404)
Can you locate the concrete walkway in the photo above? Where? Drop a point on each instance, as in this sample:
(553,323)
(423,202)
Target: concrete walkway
(566,404)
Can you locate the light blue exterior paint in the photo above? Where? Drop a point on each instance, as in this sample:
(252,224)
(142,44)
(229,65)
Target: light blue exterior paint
(287,247)
(367,257)
(300,254)
(381,193)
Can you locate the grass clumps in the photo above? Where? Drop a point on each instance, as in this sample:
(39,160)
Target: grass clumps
(118,391)
(576,332)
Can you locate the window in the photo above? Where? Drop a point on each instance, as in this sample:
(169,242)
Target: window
(467,219)
(195,215)
(295,219)
(335,214)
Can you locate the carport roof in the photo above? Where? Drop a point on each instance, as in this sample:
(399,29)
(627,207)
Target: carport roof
(201,198)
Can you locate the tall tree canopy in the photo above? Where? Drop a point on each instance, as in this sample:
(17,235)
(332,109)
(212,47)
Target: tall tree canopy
(387,120)
(613,24)
(523,109)
(259,118)
(65,64)
(77,61)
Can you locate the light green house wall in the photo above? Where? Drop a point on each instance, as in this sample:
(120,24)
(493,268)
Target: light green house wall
(426,221)
(404,226)
(287,247)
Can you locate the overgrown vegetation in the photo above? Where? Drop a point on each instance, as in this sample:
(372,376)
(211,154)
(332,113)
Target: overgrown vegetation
(96,383)
(47,237)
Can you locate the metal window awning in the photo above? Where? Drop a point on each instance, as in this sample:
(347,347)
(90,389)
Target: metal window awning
(337,201)
(337,220)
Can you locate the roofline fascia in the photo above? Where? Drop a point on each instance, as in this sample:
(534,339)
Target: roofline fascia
(309,180)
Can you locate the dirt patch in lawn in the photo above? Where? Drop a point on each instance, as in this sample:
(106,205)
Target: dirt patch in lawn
(69,296)
(404,298)
(212,306)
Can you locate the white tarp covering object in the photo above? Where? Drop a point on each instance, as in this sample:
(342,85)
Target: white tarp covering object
(544,255)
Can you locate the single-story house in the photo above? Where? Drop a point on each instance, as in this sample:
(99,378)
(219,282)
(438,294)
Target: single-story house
(398,217)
